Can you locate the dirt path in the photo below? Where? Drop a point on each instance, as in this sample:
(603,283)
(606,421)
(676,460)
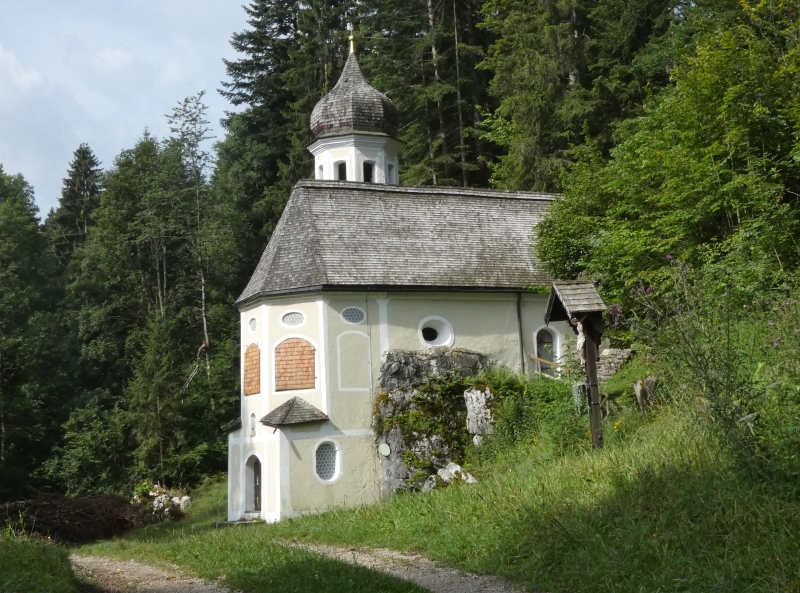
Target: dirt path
(415,568)
(116,576)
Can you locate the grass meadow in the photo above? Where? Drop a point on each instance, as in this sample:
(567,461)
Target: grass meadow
(32,565)
(661,508)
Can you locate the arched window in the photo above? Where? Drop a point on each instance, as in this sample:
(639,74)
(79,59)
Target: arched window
(319,173)
(390,174)
(544,350)
(368,170)
(294,365)
(252,425)
(341,171)
(252,370)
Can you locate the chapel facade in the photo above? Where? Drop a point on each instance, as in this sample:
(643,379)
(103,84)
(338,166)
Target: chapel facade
(359,266)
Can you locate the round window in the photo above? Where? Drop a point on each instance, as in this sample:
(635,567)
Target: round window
(294,318)
(436,331)
(325,462)
(253,324)
(353,315)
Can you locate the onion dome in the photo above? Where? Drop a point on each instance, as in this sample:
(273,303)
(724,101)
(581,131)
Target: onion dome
(354,106)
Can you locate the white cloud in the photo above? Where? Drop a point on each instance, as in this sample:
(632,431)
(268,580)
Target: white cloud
(13,74)
(101,72)
(105,61)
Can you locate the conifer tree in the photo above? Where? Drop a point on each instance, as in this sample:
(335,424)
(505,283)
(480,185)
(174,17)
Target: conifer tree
(68,225)
(29,412)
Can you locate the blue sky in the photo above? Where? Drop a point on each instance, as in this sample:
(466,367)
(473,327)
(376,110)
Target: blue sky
(100,72)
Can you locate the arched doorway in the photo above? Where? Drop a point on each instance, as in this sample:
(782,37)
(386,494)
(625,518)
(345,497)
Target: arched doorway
(252,485)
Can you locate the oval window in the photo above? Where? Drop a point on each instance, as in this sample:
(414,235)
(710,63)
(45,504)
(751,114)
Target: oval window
(253,324)
(325,462)
(293,319)
(353,315)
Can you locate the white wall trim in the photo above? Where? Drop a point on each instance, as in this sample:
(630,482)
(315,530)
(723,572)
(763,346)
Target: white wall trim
(284,473)
(338,460)
(330,433)
(557,342)
(251,452)
(383,324)
(265,356)
(322,380)
(339,361)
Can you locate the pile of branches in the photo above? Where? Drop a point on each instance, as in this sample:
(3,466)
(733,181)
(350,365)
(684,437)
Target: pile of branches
(75,519)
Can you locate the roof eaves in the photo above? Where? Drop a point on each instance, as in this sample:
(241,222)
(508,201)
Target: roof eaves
(381,288)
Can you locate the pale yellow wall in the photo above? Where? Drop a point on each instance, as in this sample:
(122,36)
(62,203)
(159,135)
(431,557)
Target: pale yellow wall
(348,365)
(357,483)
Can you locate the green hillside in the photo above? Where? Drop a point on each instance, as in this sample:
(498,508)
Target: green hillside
(659,509)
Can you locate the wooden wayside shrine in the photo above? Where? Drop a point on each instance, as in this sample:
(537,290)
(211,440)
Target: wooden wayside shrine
(579,303)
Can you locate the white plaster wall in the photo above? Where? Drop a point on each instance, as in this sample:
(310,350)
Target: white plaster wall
(354,150)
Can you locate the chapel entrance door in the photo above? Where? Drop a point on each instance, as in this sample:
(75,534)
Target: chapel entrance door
(257,486)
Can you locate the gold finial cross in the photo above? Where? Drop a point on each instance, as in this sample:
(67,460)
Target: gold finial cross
(352,39)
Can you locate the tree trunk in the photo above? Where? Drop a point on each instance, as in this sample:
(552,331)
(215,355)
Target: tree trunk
(475,77)
(435,59)
(2,417)
(458,96)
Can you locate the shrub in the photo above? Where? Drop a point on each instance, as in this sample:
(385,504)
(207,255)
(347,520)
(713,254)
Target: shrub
(538,410)
(735,362)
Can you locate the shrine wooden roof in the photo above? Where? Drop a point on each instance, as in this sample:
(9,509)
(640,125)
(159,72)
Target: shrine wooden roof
(572,298)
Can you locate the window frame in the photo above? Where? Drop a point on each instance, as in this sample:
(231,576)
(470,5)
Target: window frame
(337,474)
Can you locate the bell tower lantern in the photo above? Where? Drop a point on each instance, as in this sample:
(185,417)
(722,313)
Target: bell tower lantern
(355,131)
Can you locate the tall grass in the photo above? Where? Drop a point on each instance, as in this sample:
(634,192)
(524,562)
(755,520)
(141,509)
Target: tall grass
(33,565)
(661,508)
(657,510)
(736,361)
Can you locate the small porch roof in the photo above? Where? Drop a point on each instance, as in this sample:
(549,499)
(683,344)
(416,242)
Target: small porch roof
(294,411)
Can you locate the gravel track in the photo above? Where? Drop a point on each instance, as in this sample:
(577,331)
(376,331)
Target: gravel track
(117,576)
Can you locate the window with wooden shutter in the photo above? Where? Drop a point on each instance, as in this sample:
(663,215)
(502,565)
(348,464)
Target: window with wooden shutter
(294,365)
(252,370)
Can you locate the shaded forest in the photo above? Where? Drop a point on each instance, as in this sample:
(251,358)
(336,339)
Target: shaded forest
(671,128)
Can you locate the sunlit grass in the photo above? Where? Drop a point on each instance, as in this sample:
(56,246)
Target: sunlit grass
(659,509)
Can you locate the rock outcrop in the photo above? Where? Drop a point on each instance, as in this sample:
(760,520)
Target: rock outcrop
(424,415)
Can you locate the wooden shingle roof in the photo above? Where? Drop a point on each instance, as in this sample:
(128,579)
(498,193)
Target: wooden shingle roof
(571,298)
(294,411)
(234,424)
(355,236)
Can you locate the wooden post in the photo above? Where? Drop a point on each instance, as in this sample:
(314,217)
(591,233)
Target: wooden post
(592,388)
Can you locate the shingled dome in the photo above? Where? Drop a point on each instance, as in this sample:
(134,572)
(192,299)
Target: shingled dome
(354,106)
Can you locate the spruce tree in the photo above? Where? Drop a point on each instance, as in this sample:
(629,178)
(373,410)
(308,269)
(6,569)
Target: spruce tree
(30,410)
(68,225)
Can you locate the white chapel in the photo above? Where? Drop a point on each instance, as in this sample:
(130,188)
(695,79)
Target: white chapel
(359,266)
